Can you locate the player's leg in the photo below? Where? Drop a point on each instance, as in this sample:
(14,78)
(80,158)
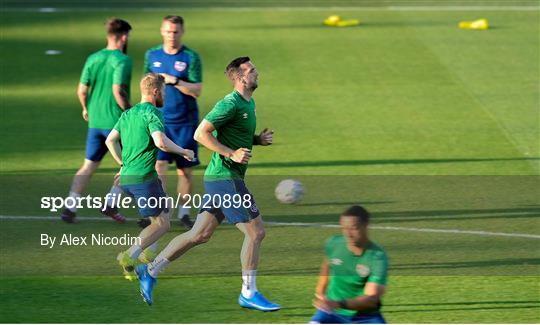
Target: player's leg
(250,297)
(161,168)
(158,214)
(183,136)
(95,150)
(249,222)
(83,176)
(201,232)
(254,233)
(159,225)
(112,200)
(184,186)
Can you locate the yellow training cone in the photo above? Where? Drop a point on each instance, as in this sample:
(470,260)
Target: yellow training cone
(332,20)
(476,24)
(348,23)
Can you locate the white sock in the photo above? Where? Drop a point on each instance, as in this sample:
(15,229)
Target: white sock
(74,196)
(249,283)
(182,212)
(113,197)
(134,251)
(157,265)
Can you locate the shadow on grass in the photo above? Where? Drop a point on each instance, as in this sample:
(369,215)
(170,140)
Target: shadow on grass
(409,216)
(342,203)
(301,164)
(467,303)
(460,264)
(460,309)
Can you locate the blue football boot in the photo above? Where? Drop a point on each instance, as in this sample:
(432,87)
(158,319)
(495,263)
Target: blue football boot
(258,302)
(146,283)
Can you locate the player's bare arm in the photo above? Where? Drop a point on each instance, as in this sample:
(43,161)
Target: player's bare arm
(82,93)
(204,136)
(265,138)
(165,144)
(188,88)
(113,144)
(322,284)
(121,96)
(368,301)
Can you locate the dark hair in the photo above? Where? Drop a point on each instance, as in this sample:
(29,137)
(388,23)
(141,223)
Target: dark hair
(233,68)
(357,211)
(117,27)
(174,19)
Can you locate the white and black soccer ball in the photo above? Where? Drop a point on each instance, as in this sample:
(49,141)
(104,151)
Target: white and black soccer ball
(289,191)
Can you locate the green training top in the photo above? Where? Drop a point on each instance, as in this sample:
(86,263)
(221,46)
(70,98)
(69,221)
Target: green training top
(101,71)
(139,152)
(234,120)
(349,273)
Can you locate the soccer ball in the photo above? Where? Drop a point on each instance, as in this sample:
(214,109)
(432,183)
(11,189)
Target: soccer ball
(289,191)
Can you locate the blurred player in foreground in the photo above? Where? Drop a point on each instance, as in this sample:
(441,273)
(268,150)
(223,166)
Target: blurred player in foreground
(353,275)
(181,67)
(229,131)
(103,93)
(141,131)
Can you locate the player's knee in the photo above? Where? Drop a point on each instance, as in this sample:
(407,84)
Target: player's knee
(184,173)
(161,167)
(258,235)
(88,167)
(201,237)
(162,222)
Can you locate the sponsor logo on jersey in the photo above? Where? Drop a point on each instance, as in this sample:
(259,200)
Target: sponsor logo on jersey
(245,115)
(362,270)
(336,261)
(180,66)
(156,64)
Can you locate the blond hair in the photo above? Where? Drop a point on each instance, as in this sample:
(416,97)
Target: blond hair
(151,81)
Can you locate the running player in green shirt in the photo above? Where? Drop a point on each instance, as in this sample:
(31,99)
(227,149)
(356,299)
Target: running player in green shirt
(353,275)
(229,131)
(103,93)
(142,132)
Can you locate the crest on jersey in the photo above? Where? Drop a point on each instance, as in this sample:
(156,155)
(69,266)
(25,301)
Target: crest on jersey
(180,66)
(156,64)
(336,261)
(254,208)
(362,270)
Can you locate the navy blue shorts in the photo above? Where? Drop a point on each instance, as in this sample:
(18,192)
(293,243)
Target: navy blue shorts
(216,194)
(95,143)
(322,317)
(147,197)
(182,135)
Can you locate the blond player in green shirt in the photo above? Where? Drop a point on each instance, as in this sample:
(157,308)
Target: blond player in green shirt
(141,132)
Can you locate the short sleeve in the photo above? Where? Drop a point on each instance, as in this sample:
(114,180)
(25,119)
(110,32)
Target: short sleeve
(155,122)
(118,124)
(194,73)
(122,72)
(329,246)
(146,64)
(222,113)
(379,269)
(85,75)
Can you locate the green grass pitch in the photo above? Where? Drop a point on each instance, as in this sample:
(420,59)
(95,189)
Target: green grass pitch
(454,113)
